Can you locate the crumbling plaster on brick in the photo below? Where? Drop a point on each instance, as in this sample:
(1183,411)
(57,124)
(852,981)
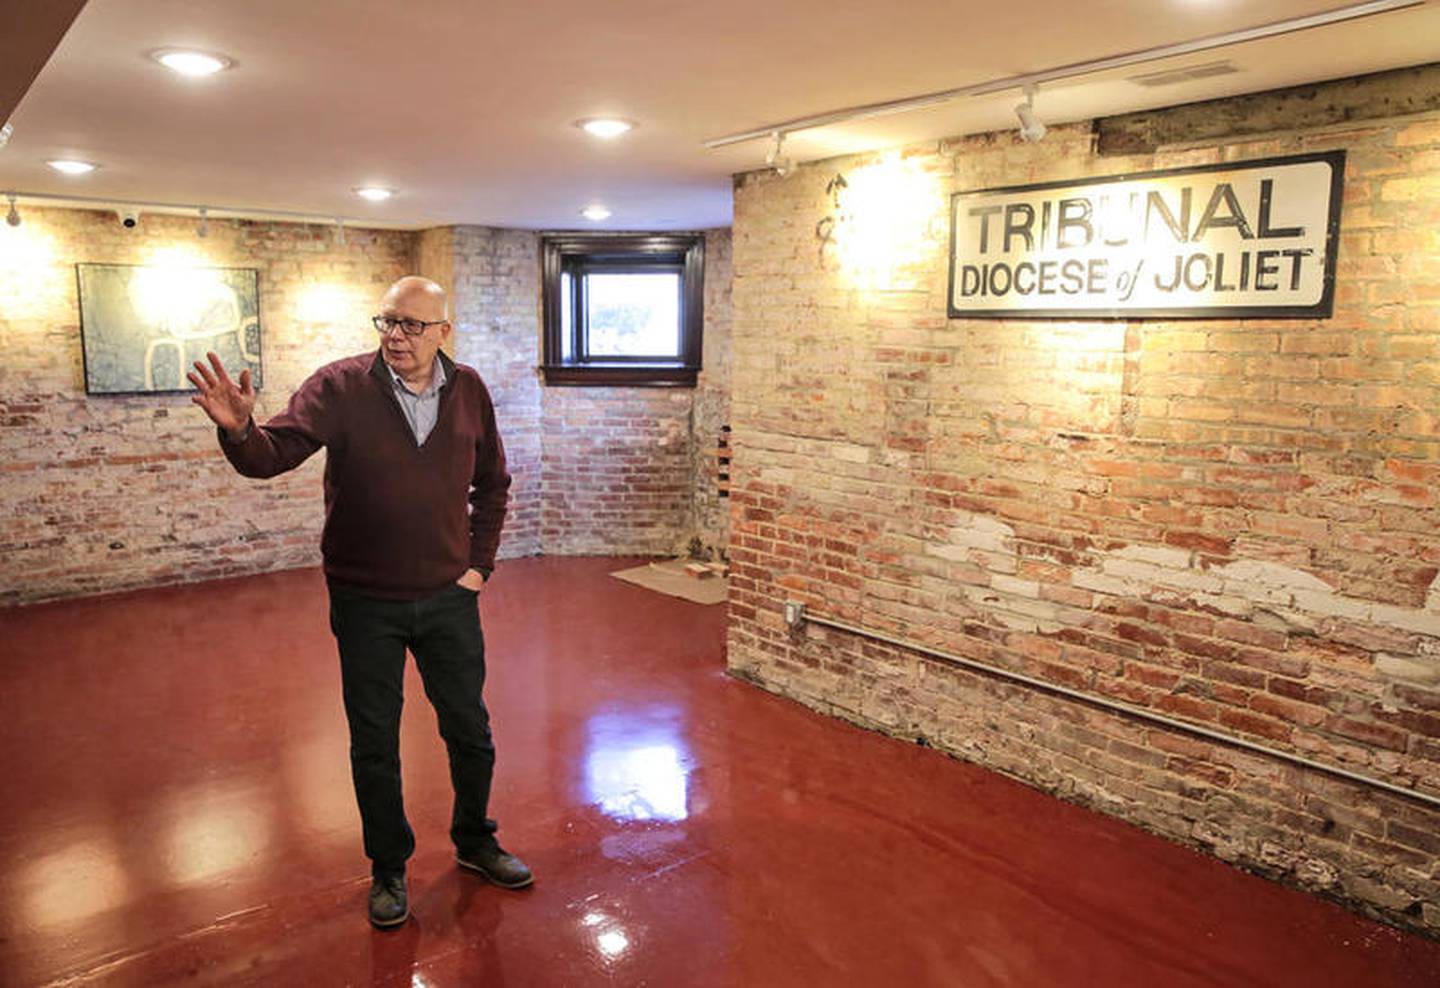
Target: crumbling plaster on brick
(1247,589)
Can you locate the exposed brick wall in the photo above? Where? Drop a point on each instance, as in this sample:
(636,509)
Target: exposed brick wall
(624,468)
(108,493)
(105,493)
(712,396)
(496,297)
(617,470)
(1228,521)
(598,470)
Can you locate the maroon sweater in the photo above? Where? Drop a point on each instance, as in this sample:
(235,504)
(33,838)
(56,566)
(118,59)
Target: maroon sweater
(401,522)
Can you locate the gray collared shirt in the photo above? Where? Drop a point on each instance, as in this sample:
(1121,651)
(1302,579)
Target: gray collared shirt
(421,410)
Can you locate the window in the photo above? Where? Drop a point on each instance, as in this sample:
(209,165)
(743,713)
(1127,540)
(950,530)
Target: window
(623,309)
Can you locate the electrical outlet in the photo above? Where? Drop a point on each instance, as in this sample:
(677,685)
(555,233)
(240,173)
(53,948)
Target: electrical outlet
(794,613)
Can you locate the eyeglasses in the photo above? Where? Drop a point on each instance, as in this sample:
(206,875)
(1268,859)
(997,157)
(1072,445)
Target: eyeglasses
(411,327)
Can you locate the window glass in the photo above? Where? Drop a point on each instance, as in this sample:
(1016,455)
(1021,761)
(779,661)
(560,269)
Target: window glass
(633,315)
(567,322)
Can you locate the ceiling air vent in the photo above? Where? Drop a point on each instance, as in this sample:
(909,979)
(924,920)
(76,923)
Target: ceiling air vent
(1172,77)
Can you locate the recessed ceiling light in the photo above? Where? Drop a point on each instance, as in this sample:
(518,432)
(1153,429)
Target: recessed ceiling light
(192,63)
(375,193)
(606,127)
(69,166)
(595,213)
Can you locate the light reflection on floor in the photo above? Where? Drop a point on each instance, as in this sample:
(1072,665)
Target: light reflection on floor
(81,879)
(636,766)
(213,830)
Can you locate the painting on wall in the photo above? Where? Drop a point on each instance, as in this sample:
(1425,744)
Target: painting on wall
(142,327)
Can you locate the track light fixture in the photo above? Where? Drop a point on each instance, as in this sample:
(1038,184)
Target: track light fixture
(1032,131)
(776,157)
(128,213)
(1109,63)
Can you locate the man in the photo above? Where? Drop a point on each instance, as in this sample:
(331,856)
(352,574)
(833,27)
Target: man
(415,495)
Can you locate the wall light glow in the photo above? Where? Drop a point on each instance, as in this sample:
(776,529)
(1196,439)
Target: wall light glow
(187,303)
(177,257)
(324,303)
(174,290)
(25,249)
(341,314)
(889,217)
(31,275)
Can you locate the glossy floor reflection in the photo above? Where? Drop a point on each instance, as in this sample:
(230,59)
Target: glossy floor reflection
(178,810)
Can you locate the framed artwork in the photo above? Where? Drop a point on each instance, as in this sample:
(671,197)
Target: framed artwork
(141,327)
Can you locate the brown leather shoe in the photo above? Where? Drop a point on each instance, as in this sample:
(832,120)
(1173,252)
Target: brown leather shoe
(498,865)
(389,903)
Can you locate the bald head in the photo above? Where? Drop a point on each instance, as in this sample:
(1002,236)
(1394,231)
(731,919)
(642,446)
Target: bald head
(414,300)
(418,297)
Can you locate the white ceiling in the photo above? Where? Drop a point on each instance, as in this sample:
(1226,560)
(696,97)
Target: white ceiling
(466,108)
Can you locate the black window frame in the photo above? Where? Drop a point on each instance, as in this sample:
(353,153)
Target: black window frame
(581,254)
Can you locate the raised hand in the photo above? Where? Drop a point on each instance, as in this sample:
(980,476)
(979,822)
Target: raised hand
(228,404)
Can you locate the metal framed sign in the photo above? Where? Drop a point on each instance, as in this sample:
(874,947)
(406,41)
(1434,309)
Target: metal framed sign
(1246,239)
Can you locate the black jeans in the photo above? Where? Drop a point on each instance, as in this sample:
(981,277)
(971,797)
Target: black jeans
(443,633)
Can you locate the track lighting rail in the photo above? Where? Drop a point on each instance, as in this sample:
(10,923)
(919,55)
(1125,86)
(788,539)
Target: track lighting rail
(1274,29)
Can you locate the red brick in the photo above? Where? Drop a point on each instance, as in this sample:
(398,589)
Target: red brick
(1155,676)
(1188,706)
(1304,692)
(1413,721)
(1298,713)
(1216,775)
(1218,545)
(1249,723)
(1380,735)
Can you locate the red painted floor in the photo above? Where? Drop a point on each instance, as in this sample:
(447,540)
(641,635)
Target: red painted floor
(177,809)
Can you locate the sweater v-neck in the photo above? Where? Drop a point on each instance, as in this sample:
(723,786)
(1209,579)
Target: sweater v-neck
(380,371)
